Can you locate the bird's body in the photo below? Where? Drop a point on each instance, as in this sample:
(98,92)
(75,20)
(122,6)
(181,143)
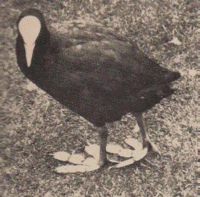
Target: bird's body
(93,71)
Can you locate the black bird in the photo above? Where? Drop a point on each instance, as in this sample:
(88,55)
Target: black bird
(97,73)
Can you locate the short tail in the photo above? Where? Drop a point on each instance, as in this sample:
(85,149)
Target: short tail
(171,76)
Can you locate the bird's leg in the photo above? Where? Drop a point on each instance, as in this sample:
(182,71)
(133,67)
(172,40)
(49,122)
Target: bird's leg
(145,137)
(103,134)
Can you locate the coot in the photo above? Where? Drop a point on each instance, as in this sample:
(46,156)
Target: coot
(97,73)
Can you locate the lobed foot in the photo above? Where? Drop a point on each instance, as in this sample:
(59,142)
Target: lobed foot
(97,158)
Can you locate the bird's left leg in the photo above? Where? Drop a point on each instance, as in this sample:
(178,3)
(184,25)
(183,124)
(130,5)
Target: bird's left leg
(145,137)
(103,135)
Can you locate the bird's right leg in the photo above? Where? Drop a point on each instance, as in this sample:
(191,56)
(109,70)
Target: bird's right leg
(103,135)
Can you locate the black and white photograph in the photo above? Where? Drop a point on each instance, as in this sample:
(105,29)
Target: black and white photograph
(98,98)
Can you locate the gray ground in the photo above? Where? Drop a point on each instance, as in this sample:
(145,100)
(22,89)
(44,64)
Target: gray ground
(33,124)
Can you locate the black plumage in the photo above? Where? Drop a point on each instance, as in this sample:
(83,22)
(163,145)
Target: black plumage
(93,71)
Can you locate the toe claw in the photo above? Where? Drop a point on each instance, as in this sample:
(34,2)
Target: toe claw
(153,148)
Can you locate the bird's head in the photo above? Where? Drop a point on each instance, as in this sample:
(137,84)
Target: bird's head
(30,25)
